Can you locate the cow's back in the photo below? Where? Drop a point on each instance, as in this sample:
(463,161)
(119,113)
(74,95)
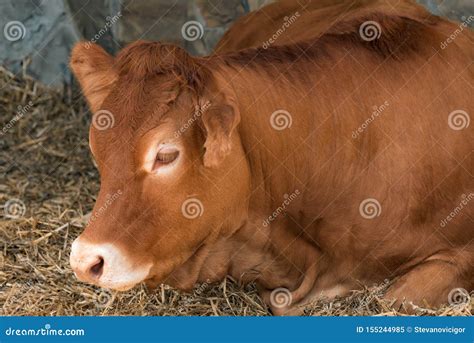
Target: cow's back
(288,21)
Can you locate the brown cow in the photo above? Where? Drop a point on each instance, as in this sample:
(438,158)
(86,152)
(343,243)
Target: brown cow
(312,168)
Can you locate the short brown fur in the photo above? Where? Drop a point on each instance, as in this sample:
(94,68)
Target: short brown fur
(242,169)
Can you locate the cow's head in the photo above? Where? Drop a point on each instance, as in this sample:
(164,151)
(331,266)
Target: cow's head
(174,178)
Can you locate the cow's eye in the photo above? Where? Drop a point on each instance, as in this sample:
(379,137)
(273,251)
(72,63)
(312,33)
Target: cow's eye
(166,155)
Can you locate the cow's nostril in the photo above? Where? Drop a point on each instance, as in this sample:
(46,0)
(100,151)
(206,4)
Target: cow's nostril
(96,269)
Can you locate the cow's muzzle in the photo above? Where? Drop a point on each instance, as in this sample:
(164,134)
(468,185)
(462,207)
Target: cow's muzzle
(105,265)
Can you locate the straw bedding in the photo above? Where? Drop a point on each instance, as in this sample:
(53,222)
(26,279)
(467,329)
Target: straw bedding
(47,174)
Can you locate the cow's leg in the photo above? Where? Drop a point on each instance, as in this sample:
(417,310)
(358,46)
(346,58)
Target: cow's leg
(442,278)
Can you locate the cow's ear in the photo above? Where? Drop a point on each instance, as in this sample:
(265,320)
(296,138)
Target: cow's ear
(220,120)
(92,67)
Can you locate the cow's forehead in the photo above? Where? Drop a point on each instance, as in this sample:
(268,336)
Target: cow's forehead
(135,114)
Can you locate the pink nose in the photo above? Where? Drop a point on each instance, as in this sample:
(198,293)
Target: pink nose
(88,267)
(106,265)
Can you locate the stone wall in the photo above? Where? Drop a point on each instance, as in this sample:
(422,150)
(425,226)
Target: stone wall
(38,35)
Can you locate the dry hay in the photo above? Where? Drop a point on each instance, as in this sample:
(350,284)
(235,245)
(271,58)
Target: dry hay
(45,163)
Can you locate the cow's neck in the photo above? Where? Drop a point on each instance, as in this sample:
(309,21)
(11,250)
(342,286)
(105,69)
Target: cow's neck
(270,247)
(274,136)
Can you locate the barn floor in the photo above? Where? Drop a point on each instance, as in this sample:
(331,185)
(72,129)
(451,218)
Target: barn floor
(46,166)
